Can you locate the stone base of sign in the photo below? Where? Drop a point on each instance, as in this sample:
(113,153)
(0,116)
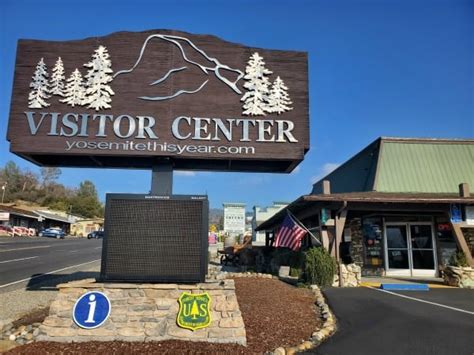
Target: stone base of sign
(145,312)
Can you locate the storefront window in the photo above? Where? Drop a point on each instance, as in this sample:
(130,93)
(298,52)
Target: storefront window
(446,242)
(372,231)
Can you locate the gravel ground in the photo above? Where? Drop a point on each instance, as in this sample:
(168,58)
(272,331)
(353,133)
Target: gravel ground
(17,303)
(275,314)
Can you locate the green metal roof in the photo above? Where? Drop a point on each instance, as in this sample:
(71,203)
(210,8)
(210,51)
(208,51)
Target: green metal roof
(405,165)
(424,166)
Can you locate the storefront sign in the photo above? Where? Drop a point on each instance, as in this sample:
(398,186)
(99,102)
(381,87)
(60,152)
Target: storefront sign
(91,310)
(194,312)
(4,216)
(202,102)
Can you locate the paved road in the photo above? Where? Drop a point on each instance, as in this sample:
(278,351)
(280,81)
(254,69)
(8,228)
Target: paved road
(24,260)
(375,322)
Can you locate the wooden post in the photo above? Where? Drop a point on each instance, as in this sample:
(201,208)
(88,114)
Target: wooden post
(461,242)
(340,223)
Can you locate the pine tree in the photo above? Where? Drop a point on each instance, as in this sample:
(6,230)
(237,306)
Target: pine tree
(98,91)
(194,310)
(38,96)
(256,98)
(75,92)
(279,100)
(57,79)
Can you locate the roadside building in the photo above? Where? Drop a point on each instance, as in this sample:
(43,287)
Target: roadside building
(14,216)
(34,217)
(83,227)
(261,214)
(234,218)
(399,207)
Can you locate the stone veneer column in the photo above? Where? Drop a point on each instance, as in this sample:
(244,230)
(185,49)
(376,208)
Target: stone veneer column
(357,246)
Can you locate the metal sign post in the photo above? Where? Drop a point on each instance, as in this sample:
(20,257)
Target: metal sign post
(162,179)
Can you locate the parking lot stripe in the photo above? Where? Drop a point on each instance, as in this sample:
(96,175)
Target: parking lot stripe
(43,246)
(10,261)
(48,273)
(423,301)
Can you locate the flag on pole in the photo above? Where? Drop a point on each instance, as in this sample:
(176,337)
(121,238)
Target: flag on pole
(290,234)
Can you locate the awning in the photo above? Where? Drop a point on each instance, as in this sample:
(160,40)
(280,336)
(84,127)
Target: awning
(358,199)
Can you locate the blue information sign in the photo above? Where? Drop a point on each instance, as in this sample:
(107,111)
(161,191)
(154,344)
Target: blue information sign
(91,310)
(455,211)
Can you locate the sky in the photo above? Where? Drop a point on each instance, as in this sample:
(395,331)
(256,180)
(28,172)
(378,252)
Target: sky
(376,68)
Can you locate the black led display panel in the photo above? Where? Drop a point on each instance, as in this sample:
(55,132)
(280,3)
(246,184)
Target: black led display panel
(155,238)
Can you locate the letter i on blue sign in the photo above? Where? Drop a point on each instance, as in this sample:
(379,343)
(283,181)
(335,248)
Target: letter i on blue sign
(91,310)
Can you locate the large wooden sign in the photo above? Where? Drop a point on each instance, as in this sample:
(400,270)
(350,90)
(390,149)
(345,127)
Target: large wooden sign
(135,99)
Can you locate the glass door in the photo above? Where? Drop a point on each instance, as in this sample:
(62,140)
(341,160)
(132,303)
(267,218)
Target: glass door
(397,261)
(422,249)
(410,249)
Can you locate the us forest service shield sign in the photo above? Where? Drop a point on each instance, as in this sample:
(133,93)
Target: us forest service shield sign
(194,310)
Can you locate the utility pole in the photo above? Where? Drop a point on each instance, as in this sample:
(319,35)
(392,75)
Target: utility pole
(4,187)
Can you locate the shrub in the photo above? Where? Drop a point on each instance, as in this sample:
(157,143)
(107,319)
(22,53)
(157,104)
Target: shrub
(458,259)
(320,267)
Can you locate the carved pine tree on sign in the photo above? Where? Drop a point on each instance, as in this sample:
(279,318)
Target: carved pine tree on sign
(98,77)
(256,98)
(38,96)
(57,79)
(279,100)
(75,92)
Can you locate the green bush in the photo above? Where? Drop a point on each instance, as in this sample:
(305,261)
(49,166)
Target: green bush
(295,272)
(320,267)
(458,259)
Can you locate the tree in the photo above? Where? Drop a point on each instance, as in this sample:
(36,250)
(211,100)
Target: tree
(279,100)
(98,91)
(256,98)
(38,96)
(48,175)
(86,202)
(75,92)
(57,79)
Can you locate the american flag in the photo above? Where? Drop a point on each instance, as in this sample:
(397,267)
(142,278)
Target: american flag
(290,234)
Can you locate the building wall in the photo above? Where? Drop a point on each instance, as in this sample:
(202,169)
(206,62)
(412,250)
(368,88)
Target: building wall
(261,215)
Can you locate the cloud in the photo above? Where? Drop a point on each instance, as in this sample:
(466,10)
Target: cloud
(254,180)
(185,173)
(325,170)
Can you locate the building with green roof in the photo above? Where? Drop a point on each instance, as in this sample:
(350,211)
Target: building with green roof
(401,206)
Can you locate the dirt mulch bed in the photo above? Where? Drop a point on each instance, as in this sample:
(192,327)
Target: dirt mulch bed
(275,314)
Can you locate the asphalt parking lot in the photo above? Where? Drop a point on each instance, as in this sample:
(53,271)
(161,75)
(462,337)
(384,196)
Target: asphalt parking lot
(370,321)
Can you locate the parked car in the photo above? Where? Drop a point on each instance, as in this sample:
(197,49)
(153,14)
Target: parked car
(96,235)
(53,233)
